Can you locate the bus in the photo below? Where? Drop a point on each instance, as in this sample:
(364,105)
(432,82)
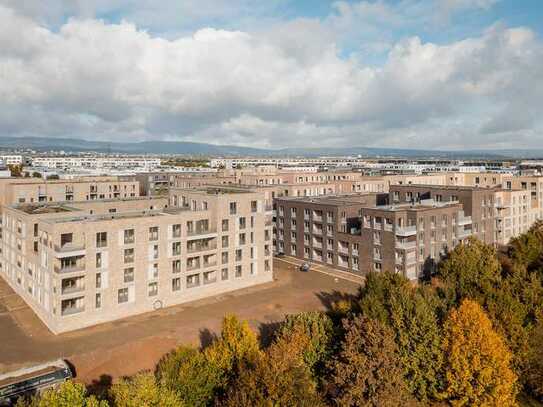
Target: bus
(31,380)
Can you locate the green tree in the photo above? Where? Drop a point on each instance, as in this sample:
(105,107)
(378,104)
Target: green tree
(471,270)
(143,390)
(367,370)
(477,361)
(319,328)
(68,394)
(278,377)
(16,170)
(192,375)
(527,248)
(412,314)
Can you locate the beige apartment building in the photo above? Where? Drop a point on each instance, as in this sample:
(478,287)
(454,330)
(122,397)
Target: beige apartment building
(357,233)
(82,263)
(37,190)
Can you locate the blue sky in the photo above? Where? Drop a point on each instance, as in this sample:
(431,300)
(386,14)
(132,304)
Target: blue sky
(402,73)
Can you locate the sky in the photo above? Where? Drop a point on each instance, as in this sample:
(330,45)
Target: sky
(433,74)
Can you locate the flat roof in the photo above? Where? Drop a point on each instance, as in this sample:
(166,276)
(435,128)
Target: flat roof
(343,199)
(119,215)
(448,187)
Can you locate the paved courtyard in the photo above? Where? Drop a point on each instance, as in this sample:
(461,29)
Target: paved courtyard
(127,346)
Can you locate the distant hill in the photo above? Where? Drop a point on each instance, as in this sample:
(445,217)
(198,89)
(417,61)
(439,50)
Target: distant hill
(191,148)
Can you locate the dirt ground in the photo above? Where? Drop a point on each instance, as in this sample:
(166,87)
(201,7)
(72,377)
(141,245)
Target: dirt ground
(105,352)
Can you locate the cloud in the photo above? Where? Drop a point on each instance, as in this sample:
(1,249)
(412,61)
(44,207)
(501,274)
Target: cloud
(98,80)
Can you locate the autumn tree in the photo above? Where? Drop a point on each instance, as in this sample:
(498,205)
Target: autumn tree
(143,390)
(534,374)
(236,346)
(471,270)
(320,330)
(477,361)
(68,394)
(367,371)
(278,377)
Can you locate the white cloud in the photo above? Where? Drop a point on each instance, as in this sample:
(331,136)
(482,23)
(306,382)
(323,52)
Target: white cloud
(94,80)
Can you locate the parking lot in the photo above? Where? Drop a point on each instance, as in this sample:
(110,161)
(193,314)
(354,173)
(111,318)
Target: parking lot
(126,346)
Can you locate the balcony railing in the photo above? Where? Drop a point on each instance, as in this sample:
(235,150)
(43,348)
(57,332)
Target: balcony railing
(196,249)
(406,245)
(466,220)
(69,269)
(69,249)
(406,230)
(72,310)
(72,290)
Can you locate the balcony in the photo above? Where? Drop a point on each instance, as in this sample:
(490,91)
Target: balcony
(200,248)
(317,245)
(77,268)
(69,250)
(72,290)
(72,310)
(463,233)
(201,233)
(406,245)
(210,263)
(406,230)
(343,249)
(317,218)
(466,220)
(317,231)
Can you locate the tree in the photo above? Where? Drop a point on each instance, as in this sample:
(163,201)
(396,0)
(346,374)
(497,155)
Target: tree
(319,328)
(16,170)
(189,373)
(411,313)
(477,361)
(236,346)
(367,370)
(471,270)
(278,377)
(68,394)
(534,374)
(142,390)
(527,248)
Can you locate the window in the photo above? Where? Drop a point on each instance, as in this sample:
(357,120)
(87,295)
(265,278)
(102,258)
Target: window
(233,208)
(254,206)
(98,260)
(176,231)
(176,248)
(154,271)
(224,274)
(239,255)
(152,289)
(224,257)
(224,241)
(129,236)
(98,280)
(193,280)
(238,271)
(155,251)
(267,265)
(122,295)
(210,277)
(98,301)
(101,239)
(225,225)
(242,223)
(153,233)
(129,255)
(242,239)
(129,275)
(176,284)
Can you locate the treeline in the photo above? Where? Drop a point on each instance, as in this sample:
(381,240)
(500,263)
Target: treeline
(469,335)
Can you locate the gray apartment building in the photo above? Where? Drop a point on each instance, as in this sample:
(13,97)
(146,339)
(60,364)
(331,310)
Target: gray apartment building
(358,233)
(82,263)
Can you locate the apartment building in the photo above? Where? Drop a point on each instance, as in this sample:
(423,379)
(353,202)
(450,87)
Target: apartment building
(533,185)
(108,162)
(82,263)
(357,233)
(36,190)
(477,203)
(155,183)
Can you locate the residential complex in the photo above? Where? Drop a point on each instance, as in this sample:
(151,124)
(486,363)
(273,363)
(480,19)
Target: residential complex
(93,249)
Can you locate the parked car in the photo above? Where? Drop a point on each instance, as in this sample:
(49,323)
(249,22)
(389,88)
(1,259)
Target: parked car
(305,267)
